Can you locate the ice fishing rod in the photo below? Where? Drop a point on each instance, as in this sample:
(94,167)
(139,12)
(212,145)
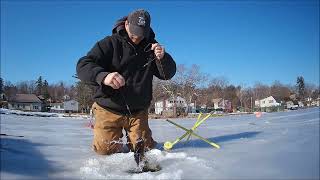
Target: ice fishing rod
(146,49)
(125,102)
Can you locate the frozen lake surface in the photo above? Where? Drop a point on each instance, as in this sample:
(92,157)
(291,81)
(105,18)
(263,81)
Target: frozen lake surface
(277,145)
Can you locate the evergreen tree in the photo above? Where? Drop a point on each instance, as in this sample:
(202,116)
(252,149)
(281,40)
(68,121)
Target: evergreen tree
(1,85)
(300,87)
(39,86)
(45,90)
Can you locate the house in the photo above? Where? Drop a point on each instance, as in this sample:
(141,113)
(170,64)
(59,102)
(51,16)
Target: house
(71,106)
(66,98)
(41,98)
(168,104)
(2,97)
(300,103)
(266,102)
(292,105)
(222,104)
(26,102)
(57,107)
(316,102)
(3,101)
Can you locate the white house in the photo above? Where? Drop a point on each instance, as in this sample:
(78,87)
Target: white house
(316,102)
(57,107)
(66,98)
(71,106)
(223,104)
(292,105)
(168,104)
(266,102)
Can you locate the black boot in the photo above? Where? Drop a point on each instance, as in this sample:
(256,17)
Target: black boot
(141,160)
(139,152)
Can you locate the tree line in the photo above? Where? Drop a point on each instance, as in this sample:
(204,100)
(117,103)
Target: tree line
(189,83)
(199,88)
(52,93)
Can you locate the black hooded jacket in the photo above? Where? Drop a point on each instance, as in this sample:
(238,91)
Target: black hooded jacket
(117,53)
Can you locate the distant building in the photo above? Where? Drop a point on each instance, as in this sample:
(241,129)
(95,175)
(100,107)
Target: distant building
(41,98)
(57,107)
(267,102)
(168,104)
(2,97)
(66,98)
(222,104)
(292,105)
(300,104)
(71,106)
(26,102)
(3,101)
(316,102)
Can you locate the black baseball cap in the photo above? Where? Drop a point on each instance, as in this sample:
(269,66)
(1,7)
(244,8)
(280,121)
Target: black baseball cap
(139,23)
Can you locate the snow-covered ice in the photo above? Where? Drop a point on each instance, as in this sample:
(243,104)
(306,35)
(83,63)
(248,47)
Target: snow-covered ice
(283,145)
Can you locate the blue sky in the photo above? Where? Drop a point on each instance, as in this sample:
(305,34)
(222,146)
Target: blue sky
(244,41)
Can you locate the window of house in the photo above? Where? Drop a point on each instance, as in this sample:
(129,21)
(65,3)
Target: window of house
(18,105)
(270,101)
(35,107)
(23,106)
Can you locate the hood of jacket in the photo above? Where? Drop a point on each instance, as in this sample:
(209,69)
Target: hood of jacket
(119,28)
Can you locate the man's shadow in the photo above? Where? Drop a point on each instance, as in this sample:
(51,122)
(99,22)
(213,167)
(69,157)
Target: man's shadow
(195,142)
(21,157)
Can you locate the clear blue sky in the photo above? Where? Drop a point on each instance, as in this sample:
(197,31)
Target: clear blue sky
(244,41)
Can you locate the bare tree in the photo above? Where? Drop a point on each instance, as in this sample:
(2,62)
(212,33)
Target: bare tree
(315,93)
(260,91)
(188,80)
(217,86)
(84,96)
(280,91)
(32,86)
(231,93)
(22,87)
(57,91)
(10,90)
(311,92)
(72,92)
(247,99)
(241,94)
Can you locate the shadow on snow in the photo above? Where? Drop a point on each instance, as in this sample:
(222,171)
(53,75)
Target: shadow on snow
(195,142)
(21,157)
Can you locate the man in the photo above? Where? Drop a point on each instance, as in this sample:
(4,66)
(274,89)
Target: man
(121,68)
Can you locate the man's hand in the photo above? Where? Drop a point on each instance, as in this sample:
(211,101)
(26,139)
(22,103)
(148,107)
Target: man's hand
(158,50)
(115,80)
